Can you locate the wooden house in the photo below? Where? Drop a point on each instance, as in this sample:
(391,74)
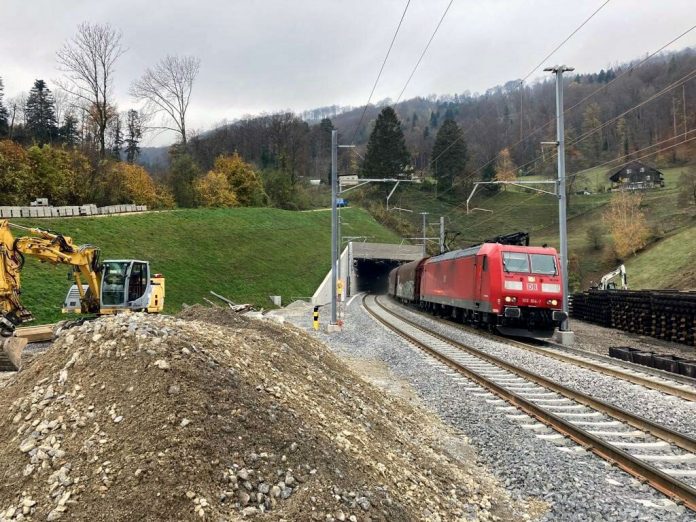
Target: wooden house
(636,176)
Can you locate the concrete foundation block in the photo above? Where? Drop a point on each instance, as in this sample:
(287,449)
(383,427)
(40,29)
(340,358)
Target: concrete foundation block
(564,338)
(334,328)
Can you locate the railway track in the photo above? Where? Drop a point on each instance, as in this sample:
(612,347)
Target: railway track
(653,378)
(655,454)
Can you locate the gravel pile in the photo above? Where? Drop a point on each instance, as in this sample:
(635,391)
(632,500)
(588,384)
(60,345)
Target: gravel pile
(598,339)
(668,410)
(214,416)
(577,485)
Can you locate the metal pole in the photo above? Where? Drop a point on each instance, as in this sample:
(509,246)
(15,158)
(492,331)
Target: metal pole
(442,234)
(425,224)
(334,223)
(562,218)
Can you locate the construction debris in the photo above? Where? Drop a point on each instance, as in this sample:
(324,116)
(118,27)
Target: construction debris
(210,415)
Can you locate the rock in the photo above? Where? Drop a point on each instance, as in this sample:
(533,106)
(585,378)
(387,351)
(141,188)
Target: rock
(264,488)
(27,445)
(162,364)
(174,389)
(189,494)
(289,480)
(118,419)
(243,474)
(54,515)
(249,511)
(184,423)
(244,498)
(275,491)
(363,503)
(340,516)
(293,447)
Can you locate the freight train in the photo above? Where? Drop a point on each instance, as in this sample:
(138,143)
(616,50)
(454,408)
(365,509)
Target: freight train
(512,288)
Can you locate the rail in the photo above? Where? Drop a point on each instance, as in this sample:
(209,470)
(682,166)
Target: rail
(450,351)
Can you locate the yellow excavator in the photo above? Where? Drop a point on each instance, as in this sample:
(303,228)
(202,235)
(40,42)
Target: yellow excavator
(100,288)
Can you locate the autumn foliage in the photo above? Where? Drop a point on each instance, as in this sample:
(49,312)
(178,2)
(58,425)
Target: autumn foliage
(505,168)
(231,182)
(127,183)
(627,224)
(213,190)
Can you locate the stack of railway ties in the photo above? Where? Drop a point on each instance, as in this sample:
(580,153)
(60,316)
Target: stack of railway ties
(668,363)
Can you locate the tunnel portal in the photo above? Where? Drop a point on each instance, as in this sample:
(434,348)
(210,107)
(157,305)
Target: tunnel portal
(372,275)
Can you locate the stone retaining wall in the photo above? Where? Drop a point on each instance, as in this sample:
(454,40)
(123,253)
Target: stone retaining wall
(68,211)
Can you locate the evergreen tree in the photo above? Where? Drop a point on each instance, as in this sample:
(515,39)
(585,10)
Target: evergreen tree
(41,114)
(449,154)
(182,178)
(387,155)
(134,132)
(116,137)
(4,129)
(69,132)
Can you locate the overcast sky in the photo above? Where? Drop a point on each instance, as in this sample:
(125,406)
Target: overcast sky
(269,55)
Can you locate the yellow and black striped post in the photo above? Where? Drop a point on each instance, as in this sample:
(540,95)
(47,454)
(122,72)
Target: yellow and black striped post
(315,322)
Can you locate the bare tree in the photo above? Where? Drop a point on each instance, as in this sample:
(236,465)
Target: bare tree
(88,60)
(166,88)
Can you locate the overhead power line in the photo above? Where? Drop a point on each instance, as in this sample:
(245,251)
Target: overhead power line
(589,96)
(543,61)
(384,62)
(424,51)
(534,69)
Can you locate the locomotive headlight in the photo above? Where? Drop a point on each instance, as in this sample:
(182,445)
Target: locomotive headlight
(552,302)
(509,299)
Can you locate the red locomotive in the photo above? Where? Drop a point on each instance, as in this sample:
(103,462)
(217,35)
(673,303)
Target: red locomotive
(514,288)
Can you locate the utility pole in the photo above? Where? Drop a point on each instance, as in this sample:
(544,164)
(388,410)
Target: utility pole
(442,234)
(425,225)
(334,224)
(558,70)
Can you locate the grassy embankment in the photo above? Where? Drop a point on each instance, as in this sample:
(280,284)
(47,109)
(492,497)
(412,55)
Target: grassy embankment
(245,254)
(664,263)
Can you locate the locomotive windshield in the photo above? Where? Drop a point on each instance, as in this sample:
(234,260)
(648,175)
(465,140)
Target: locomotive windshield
(543,264)
(520,262)
(515,262)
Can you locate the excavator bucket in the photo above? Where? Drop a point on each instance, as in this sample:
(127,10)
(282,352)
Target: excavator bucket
(11,353)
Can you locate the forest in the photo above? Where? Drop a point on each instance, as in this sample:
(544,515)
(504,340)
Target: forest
(73,135)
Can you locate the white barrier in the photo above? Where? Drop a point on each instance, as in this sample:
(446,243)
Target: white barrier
(7,212)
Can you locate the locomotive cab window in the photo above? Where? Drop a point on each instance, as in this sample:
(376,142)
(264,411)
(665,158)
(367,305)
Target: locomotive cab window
(543,264)
(515,262)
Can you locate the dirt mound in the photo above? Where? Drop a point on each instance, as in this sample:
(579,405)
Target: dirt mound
(140,417)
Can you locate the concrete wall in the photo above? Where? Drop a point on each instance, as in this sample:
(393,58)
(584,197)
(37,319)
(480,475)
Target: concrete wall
(68,211)
(355,250)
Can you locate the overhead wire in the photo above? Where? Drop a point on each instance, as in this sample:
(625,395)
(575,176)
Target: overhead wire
(574,106)
(379,74)
(432,37)
(584,22)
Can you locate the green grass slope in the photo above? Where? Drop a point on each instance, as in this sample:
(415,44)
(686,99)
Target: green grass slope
(516,209)
(245,254)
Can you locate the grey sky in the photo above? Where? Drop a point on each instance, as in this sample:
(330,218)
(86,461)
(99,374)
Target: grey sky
(269,55)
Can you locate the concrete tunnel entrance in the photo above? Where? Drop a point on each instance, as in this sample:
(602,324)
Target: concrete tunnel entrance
(372,275)
(365,267)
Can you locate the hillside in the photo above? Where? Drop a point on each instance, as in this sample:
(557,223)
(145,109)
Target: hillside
(245,254)
(673,228)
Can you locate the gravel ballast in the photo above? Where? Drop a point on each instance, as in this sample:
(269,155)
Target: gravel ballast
(674,412)
(578,485)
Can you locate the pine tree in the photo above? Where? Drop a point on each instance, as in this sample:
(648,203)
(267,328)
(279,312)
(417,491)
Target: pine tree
(387,155)
(134,133)
(116,137)
(4,129)
(41,114)
(449,154)
(69,132)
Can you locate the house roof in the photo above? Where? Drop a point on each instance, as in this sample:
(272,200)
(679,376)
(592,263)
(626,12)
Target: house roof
(635,167)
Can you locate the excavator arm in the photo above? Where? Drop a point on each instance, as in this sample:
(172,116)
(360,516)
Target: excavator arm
(50,247)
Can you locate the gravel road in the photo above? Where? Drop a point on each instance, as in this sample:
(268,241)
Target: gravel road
(578,485)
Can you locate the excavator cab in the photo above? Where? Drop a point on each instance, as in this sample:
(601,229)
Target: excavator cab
(126,284)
